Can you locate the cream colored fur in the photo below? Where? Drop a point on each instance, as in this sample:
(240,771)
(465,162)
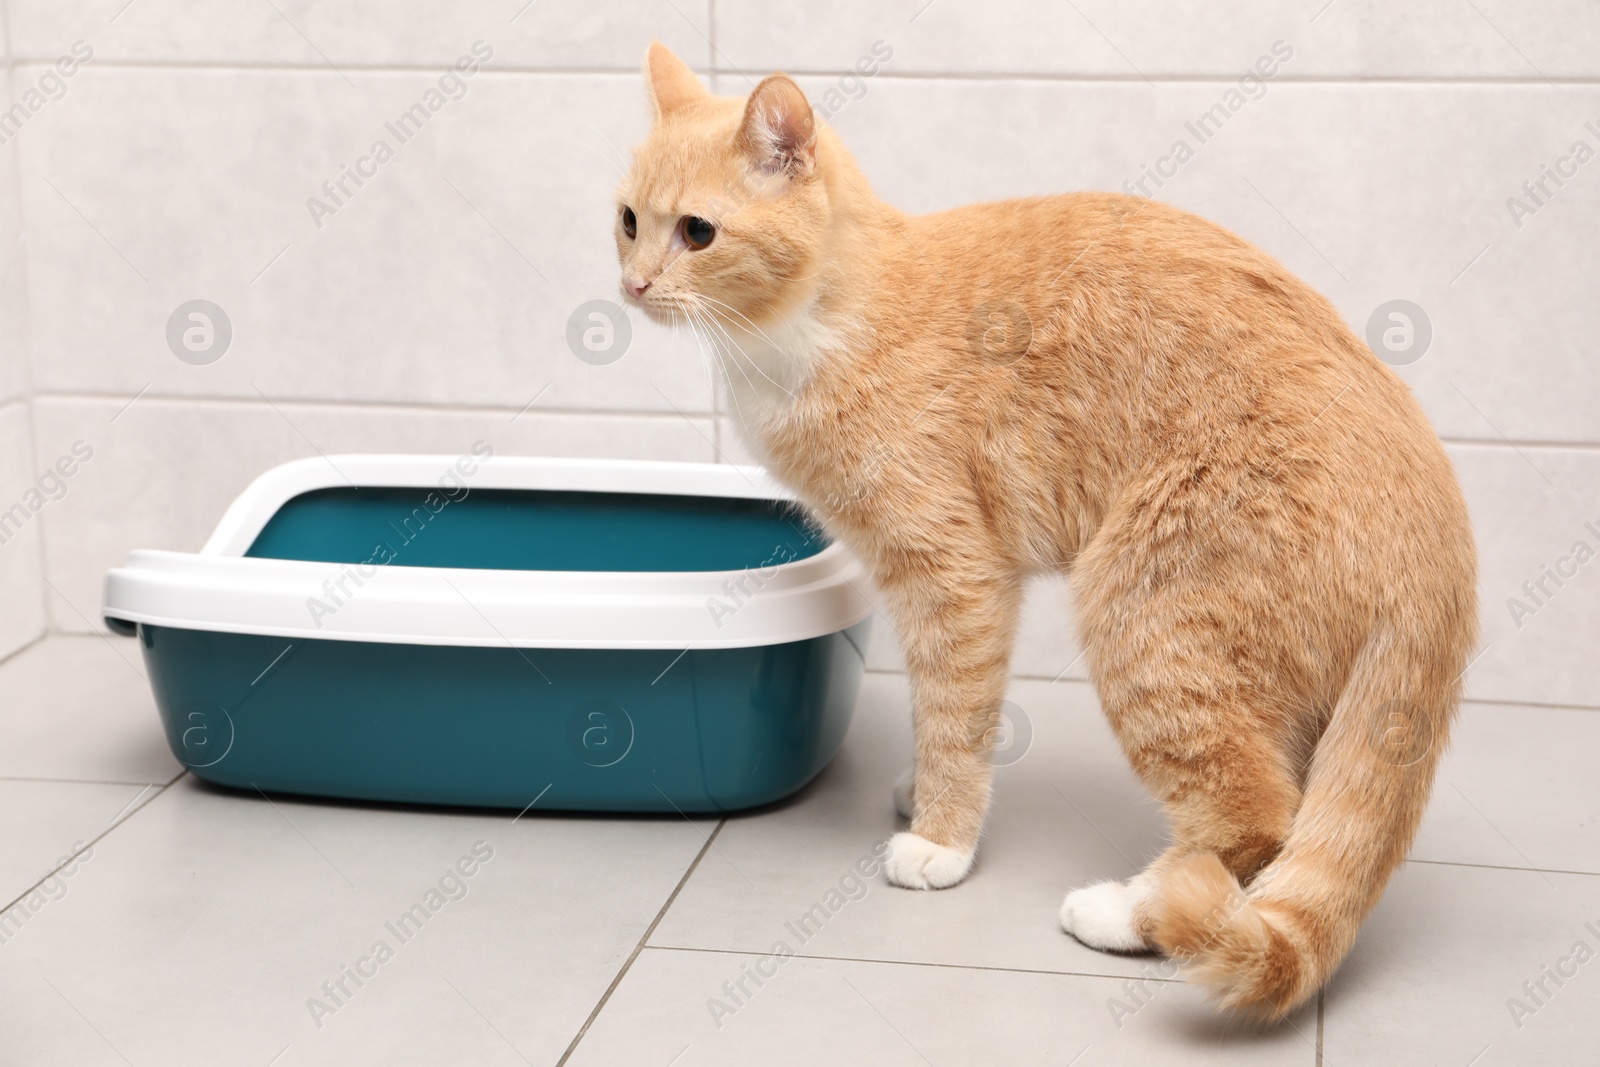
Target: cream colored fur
(1270,557)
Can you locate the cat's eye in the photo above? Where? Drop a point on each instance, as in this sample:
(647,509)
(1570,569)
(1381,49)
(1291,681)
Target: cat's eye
(630,224)
(697,232)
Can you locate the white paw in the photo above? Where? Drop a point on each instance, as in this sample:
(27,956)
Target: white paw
(917,863)
(1101,915)
(902,793)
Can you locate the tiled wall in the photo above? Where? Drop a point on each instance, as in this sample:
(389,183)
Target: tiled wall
(428,310)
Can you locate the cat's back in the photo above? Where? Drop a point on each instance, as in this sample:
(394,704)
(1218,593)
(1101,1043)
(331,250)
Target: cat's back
(1167,335)
(1040,242)
(1130,271)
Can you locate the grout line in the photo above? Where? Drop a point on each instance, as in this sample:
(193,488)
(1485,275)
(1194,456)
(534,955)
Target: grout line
(710,412)
(1221,77)
(423,68)
(1321,1003)
(711,34)
(1191,77)
(1530,704)
(1503,867)
(1585,708)
(913,963)
(24,320)
(1522,442)
(76,781)
(122,820)
(399,406)
(34,640)
(612,988)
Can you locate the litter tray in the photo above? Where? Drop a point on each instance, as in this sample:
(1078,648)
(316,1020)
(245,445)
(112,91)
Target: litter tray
(599,635)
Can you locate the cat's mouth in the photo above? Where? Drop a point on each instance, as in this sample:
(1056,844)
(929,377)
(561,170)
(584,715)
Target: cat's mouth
(664,311)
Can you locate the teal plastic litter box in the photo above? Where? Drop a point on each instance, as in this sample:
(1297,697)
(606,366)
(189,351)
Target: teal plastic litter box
(600,635)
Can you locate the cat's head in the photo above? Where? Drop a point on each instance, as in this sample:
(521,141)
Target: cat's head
(724,210)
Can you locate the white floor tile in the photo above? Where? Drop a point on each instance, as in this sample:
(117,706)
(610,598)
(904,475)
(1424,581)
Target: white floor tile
(80,709)
(837,1011)
(1069,812)
(1439,960)
(208,922)
(1517,789)
(50,827)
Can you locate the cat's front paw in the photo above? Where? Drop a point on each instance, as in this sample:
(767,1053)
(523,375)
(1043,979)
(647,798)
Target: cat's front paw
(904,798)
(914,862)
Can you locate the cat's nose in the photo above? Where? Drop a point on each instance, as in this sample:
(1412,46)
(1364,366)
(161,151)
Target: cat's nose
(635,286)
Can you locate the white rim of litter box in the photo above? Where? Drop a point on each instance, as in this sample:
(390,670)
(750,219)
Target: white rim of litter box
(219,589)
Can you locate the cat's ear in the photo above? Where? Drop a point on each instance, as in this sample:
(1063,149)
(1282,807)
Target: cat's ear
(778,132)
(669,82)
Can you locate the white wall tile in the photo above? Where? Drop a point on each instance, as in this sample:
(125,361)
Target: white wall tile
(598,33)
(164,471)
(1530,509)
(1154,39)
(146,188)
(21,591)
(13,274)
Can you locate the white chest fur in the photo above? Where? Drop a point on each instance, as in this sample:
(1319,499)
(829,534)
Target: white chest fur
(766,368)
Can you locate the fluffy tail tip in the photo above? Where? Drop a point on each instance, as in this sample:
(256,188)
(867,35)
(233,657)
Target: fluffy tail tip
(1202,917)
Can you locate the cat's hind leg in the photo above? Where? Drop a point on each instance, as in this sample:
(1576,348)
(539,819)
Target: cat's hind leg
(1108,915)
(1204,748)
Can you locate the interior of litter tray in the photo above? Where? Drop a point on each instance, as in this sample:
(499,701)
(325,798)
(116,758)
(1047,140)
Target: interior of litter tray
(536,529)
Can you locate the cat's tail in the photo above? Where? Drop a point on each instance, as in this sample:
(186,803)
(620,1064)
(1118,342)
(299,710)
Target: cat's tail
(1265,949)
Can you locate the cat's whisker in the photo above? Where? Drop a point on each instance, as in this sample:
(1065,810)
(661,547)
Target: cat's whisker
(750,359)
(716,333)
(700,342)
(621,156)
(705,361)
(623,174)
(733,310)
(733,393)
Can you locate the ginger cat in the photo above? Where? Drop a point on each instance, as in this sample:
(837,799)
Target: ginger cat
(1271,559)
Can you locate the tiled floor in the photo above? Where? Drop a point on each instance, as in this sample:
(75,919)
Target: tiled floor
(197,926)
